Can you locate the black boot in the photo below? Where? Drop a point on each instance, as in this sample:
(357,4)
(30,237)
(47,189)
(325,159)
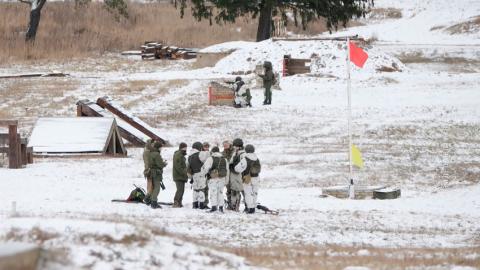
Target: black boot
(214,209)
(147,200)
(201,205)
(195,205)
(251,210)
(155,205)
(220,209)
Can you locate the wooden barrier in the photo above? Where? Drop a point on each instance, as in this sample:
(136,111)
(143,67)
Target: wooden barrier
(292,66)
(17,149)
(220,95)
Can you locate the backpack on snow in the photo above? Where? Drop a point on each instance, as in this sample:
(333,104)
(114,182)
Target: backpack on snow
(137,195)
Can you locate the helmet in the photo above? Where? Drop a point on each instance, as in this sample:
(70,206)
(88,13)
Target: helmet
(238,142)
(157,144)
(215,149)
(238,78)
(197,145)
(249,148)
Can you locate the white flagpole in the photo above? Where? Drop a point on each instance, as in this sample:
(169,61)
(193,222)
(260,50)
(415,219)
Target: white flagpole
(351,190)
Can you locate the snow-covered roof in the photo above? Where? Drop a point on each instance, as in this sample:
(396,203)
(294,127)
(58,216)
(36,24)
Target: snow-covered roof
(71,135)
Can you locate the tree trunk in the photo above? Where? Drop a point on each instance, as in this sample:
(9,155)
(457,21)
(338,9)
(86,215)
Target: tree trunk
(264,22)
(35,13)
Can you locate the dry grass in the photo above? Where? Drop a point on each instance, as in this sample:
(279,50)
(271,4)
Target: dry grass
(67,30)
(470,26)
(385,13)
(419,57)
(338,257)
(33,97)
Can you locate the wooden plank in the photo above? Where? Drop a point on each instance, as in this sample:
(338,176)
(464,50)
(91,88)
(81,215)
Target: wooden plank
(86,110)
(33,75)
(13,147)
(8,122)
(104,103)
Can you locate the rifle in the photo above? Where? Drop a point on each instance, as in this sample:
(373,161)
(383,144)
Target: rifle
(162,185)
(267,210)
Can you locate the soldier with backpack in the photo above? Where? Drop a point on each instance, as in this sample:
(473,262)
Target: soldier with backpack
(227,153)
(237,166)
(195,164)
(268,80)
(217,167)
(155,171)
(250,178)
(242,95)
(146,153)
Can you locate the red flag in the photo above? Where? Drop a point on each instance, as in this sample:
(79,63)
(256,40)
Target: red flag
(357,55)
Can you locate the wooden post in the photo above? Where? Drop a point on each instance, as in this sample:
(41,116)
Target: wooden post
(24,154)
(79,110)
(30,155)
(13,147)
(19,152)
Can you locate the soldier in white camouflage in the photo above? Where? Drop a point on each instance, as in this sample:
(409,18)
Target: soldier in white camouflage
(251,178)
(217,167)
(237,166)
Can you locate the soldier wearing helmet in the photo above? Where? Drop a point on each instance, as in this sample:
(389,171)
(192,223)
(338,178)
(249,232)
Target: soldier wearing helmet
(195,164)
(241,95)
(250,178)
(237,166)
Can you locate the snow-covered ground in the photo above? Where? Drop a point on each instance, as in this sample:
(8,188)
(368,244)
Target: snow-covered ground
(418,129)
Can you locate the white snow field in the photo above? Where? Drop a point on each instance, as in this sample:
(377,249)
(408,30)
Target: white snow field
(418,129)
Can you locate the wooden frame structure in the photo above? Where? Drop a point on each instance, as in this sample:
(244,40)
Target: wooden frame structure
(18,152)
(292,66)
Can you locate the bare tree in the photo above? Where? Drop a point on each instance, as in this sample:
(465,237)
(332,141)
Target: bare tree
(35,12)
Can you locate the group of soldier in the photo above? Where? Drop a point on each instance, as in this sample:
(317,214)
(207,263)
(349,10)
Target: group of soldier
(242,95)
(209,171)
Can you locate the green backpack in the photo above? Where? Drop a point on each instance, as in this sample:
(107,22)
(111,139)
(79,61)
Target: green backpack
(137,195)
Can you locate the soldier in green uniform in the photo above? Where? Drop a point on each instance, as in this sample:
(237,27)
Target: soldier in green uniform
(146,153)
(156,165)
(179,172)
(268,80)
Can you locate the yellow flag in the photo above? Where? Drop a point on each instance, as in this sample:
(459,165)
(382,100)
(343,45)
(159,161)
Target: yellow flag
(357,157)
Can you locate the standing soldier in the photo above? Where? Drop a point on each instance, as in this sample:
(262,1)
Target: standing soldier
(237,166)
(227,153)
(204,155)
(250,178)
(146,171)
(217,167)
(156,164)
(195,165)
(268,80)
(179,172)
